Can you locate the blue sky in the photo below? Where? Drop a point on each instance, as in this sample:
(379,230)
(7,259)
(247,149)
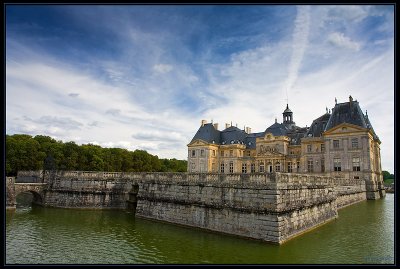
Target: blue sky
(144,76)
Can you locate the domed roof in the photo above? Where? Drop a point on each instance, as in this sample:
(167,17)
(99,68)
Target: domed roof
(287,110)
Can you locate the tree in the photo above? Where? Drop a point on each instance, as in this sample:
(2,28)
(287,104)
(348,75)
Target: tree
(24,152)
(70,151)
(387,175)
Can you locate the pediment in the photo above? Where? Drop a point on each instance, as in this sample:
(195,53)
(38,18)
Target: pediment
(344,128)
(198,142)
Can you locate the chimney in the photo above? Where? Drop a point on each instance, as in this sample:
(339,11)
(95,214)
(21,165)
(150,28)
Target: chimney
(216,126)
(227,125)
(248,130)
(350,99)
(203,122)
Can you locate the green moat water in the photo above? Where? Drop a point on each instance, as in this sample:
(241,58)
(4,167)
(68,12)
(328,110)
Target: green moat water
(363,233)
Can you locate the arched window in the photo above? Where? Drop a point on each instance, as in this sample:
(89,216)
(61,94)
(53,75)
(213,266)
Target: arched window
(269,167)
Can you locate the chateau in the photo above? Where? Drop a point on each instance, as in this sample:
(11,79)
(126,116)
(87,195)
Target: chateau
(341,143)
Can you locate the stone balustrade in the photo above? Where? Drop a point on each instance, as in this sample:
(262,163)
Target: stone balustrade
(202,177)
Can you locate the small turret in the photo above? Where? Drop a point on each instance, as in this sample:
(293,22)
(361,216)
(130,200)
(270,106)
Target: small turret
(288,117)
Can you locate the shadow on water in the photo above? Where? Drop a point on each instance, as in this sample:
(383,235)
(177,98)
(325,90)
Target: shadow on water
(24,200)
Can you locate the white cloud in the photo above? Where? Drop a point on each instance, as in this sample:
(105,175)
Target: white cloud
(136,107)
(162,68)
(299,44)
(338,39)
(158,136)
(347,13)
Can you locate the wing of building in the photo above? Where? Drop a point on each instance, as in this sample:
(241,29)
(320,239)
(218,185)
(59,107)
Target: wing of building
(341,143)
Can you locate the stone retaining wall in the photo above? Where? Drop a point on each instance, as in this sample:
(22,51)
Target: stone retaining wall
(270,207)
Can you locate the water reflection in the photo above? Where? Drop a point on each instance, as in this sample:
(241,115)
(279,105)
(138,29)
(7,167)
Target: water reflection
(68,236)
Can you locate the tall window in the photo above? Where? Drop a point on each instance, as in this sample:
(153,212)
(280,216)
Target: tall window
(336,144)
(308,148)
(322,147)
(193,166)
(231,167)
(322,165)
(202,166)
(253,168)
(213,152)
(231,153)
(354,143)
(298,166)
(202,153)
(337,166)
(310,165)
(222,153)
(248,153)
(356,163)
(222,168)
(244,168)
(262,167)
(278,167)
(289,167)
(193,153)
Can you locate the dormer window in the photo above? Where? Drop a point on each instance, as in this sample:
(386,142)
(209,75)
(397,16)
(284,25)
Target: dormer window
(308,148)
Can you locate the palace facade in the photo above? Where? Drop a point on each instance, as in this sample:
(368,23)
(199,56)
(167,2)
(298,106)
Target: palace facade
(341,143)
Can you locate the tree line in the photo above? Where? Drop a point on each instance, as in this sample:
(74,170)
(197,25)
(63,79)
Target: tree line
(24,152)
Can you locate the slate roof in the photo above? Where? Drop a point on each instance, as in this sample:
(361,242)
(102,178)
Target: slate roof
(296,135)
(233,135)
(318,126)
(208,133)
(369,125)
(277,129)
(250,140)
(349,112)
